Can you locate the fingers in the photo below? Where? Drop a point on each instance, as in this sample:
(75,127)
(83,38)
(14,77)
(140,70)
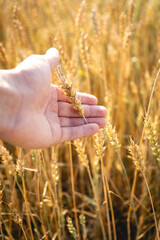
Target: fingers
(71,133)
(71,122)
(52,55)
(85,98)
(67,110)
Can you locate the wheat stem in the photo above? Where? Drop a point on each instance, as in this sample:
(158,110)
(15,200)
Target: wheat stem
(97,202)
(73,190)
(150,196)
(84,160)
(107,185)
(1,195)
(58,212)
(132,200)
(27,208)
(20,170)
(104,178)
(24,232)
(130,205)
(141,139)
(52,194)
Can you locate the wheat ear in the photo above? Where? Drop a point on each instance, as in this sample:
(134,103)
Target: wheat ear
(138,160)
(71,227)
(69,91)
(152,135)
(7,160)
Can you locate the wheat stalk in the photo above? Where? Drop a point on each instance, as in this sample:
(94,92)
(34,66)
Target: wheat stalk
(1,196)
(55,177)
(79,144)
(137,156)
(142,136)
(16,217)
(152,135)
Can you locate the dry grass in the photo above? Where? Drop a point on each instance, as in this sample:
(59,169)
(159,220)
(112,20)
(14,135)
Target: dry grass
(89,189)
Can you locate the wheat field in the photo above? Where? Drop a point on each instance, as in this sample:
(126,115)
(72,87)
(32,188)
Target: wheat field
(106,186)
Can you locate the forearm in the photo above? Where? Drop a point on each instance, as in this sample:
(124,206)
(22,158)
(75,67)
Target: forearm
(9,102)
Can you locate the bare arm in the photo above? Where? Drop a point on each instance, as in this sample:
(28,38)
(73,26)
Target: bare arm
(35,113)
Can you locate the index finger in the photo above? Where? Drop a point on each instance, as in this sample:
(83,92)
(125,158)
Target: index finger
(84,97)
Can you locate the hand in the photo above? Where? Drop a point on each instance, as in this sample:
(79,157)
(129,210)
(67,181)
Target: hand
(44,115)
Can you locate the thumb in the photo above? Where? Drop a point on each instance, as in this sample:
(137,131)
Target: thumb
(52,55)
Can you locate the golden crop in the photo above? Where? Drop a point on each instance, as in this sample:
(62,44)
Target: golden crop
(90,188)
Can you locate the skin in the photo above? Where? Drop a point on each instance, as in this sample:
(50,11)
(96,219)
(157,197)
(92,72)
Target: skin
(35,113)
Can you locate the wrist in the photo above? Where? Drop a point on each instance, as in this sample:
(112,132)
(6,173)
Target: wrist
(9,102)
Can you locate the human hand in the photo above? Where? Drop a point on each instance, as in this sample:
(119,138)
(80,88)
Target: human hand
(44,116)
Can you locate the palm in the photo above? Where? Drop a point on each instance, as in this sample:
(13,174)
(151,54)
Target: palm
(46,116)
